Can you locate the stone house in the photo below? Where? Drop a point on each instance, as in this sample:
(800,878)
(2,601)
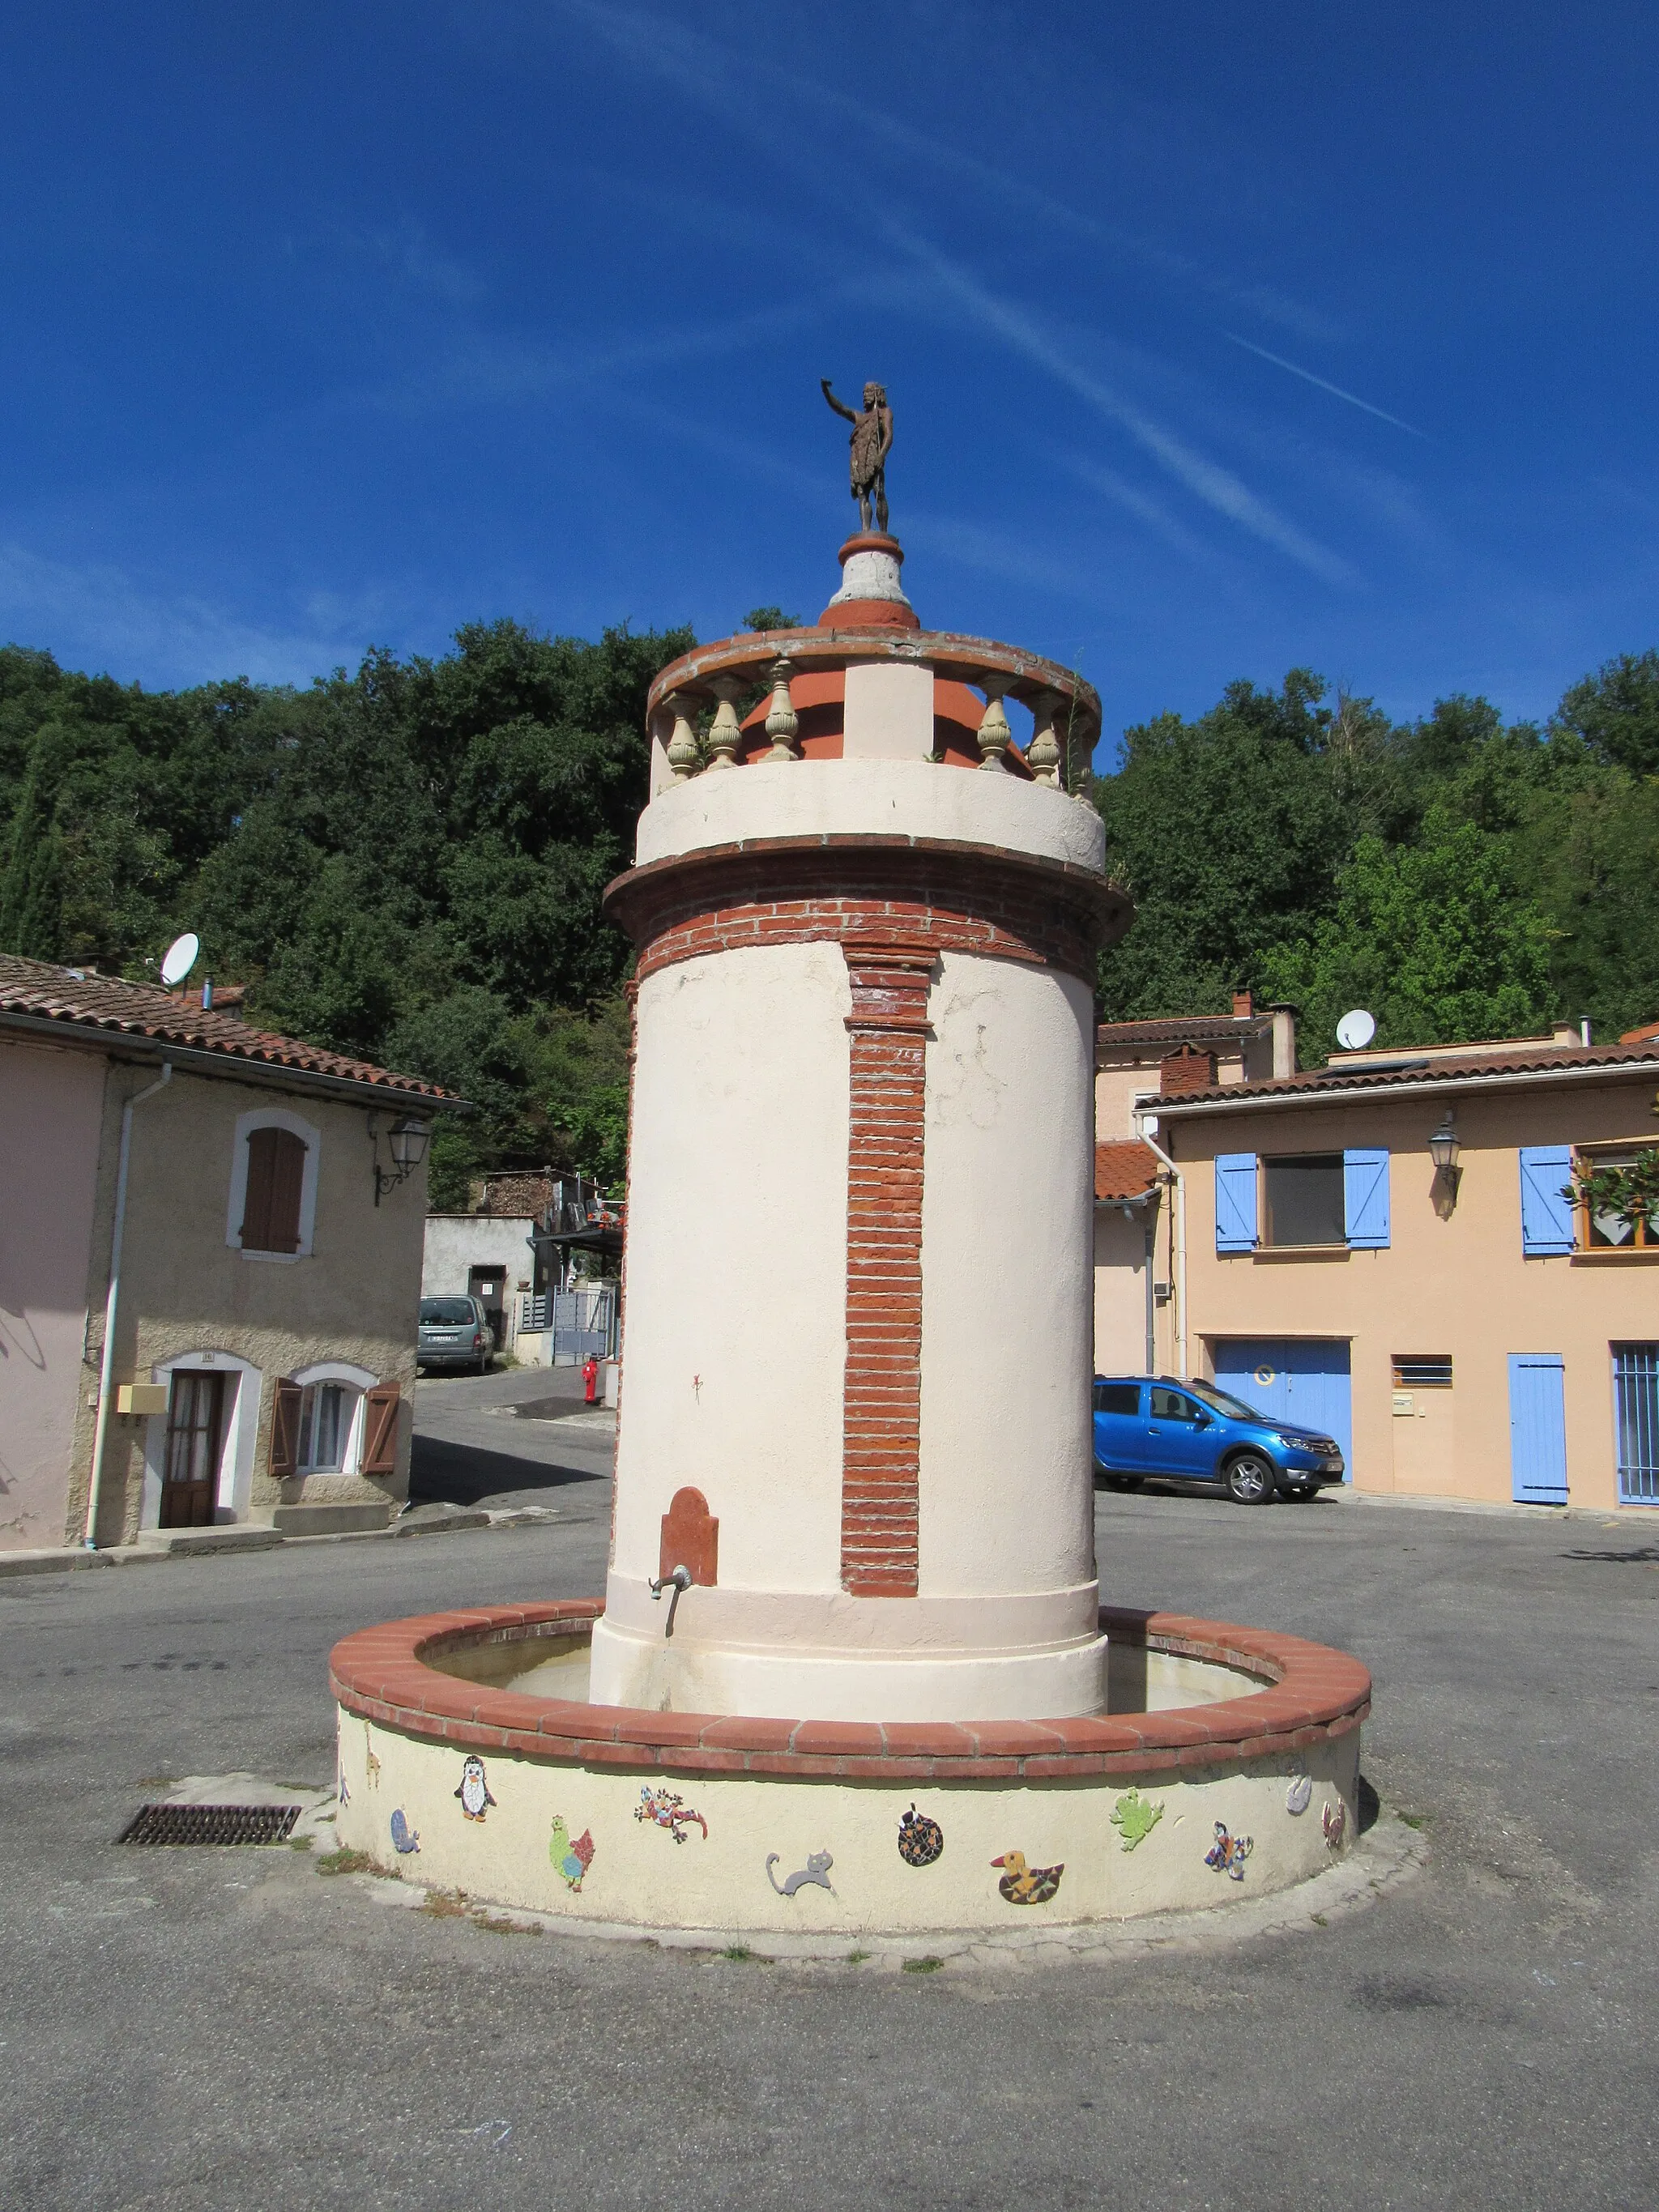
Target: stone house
(210,1267)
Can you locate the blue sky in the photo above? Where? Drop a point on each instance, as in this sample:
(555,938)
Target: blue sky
(1221,339)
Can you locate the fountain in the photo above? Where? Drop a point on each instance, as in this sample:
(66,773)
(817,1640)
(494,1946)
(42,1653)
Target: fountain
(851,1674)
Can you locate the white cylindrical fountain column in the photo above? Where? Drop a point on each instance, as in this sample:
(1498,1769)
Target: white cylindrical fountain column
(857,1356)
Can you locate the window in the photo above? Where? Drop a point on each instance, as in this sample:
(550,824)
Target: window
(1422,1371)
(327,1410)
(276,1177)
(447,1313)
(273,1185)
(1117,1397)
(1620,1218)
(1636,1403)
(1312,1202)
(1306,1203)
(1174,1406)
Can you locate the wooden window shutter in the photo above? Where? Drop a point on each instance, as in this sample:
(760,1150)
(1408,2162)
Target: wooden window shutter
(276,1180)
(285,1428)
(380,1430)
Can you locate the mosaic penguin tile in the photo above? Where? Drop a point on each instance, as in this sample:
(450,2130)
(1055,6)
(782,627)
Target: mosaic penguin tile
(663,1809)
(816,1871)
(571,1858)
(1024,1884)
(920,1838)
(474,1792)
(1228,1853)
(403,1838)
(1134,1817)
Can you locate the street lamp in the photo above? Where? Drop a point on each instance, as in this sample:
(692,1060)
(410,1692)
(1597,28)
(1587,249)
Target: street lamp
(1442,1145)
(407,1140)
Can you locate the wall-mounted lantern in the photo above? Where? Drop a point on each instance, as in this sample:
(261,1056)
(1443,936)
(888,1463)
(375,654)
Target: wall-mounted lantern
(1443,1145)
(407,1140)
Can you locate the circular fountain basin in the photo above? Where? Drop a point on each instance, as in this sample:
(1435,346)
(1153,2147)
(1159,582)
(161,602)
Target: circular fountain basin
(1226,1766)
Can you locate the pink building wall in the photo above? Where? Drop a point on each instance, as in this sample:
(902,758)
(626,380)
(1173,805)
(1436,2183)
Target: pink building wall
(51,1108)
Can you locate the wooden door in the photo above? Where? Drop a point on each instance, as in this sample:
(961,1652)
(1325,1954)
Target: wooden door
(190,1474)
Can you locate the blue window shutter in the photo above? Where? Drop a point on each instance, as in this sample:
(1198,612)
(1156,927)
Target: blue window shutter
(1235,1202)
(1365,1199)
(1546,1223)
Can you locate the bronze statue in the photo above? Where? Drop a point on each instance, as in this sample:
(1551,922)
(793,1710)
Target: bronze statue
(873,441)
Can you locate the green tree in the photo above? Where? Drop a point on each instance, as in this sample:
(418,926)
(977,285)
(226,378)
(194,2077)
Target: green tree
(1432,937)
(1229,832)
(1615,712)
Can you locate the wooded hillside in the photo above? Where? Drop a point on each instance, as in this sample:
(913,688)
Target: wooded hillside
(406,862)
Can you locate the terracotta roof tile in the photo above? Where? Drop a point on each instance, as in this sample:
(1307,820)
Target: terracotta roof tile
(1125,1167)
(1407,1071)
(1185,1028)
(83,1000)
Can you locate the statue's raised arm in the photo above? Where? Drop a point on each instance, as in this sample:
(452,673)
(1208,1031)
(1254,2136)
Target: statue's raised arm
(872,442)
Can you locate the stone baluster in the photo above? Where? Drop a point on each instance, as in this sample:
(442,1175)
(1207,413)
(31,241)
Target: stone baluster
(995,735)
(682,746)
(725,734)
(783,723)
(1043,758)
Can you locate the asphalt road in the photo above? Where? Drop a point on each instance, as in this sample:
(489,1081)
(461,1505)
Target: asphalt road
(229,2029)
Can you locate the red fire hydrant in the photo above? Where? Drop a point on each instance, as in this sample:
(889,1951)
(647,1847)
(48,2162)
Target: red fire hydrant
(590,1379)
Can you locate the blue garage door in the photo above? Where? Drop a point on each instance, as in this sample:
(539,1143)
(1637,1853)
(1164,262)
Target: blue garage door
(1304,1380)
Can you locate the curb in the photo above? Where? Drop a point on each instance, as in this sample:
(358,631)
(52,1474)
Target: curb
(239,1539)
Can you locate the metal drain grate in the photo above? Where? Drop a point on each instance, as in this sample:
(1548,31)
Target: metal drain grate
(209,1824)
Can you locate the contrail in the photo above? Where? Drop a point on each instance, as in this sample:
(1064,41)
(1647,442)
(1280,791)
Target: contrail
(1308,377)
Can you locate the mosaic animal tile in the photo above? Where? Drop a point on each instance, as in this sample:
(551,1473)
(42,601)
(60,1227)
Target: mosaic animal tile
(816,1870)
(474,1792)
(662,1808)
(1228,1853)
(1024,1884)
(1134,1817)
(403,1838)
(1334,1821)
(1299,1795)
(571,1859)
(920,1838)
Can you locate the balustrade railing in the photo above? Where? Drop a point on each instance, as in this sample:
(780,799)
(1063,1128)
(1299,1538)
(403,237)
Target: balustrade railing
(707,684)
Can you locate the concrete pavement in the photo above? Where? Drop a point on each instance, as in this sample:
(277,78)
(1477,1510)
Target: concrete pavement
(223,2029)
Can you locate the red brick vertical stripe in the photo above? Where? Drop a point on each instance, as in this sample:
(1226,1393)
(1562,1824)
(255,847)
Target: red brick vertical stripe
(881,1419)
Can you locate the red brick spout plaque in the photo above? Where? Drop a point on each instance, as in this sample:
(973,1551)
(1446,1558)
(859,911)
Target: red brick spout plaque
(691,1538)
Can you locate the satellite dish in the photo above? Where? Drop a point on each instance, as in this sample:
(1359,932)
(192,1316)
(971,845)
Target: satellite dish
(180,959)
(1356,1029)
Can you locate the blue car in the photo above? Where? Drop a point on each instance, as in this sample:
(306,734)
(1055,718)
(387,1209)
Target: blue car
(1151,1425)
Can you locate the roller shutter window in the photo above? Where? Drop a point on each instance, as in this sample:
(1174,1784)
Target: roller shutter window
(380,1430)
(275,1178)
(1365,1199)
(1236,1227)
(1547,1216)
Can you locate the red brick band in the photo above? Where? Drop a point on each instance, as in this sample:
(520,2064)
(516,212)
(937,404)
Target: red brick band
(385,1677)
(881,1402)
(950,896)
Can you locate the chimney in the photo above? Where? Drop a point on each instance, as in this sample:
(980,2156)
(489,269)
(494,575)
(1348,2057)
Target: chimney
(1565,1033)
(1180,1073)
(1283,1042)
(1243,1005)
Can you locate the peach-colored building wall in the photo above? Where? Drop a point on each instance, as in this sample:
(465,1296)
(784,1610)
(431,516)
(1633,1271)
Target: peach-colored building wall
(51,1111)
(1121,1301)
(1459,1285)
